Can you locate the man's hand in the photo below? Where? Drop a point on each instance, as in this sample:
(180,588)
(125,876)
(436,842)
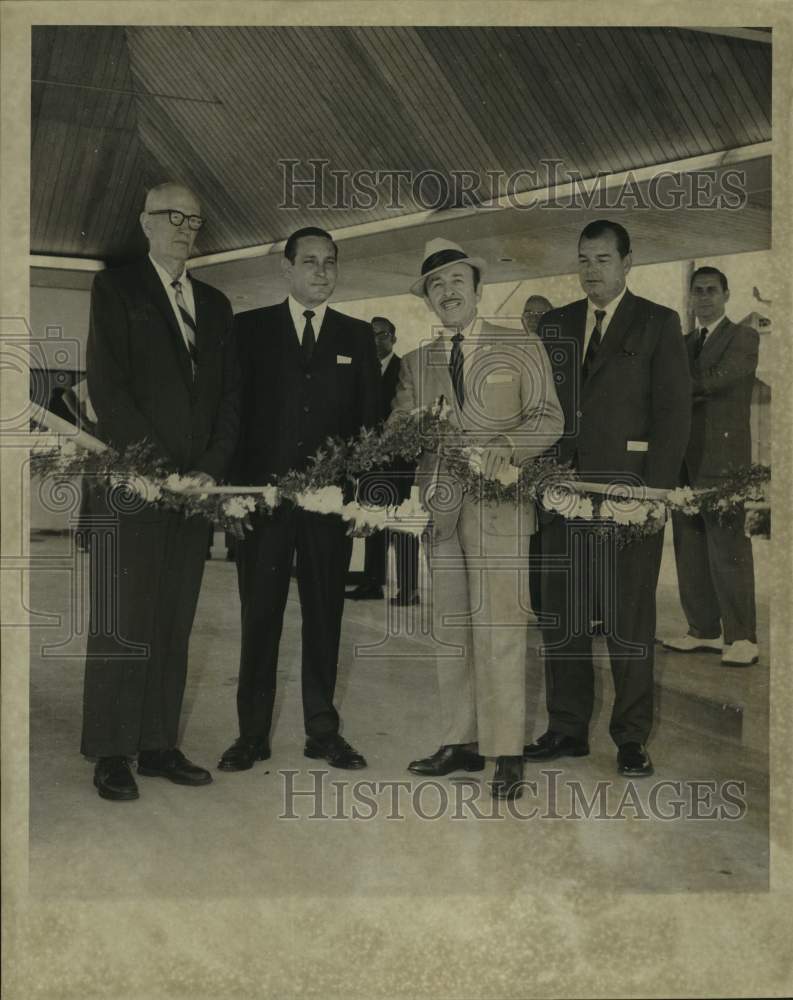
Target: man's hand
(201,478)
(495,460)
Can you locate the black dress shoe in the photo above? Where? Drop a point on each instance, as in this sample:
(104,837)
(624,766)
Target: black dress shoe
(405,600)
(365,592)
(336,751)
(113,779)
(173,765)
(552,745)
(448,759)
(508,779)
(633,760)
(241,755)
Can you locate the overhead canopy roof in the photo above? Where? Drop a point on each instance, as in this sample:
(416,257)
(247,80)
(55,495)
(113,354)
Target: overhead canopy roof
(116,110)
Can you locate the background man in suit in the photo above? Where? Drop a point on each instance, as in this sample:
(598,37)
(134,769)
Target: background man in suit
(534,308)
(502,400)
(161,368)
(309,373)
(396,482)
(715,570)
(622,376)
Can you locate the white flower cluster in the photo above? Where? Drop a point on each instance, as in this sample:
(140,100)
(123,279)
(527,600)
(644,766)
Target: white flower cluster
(270,496)
(239,506)
(326,500)
(568,503)
(507,477)
(370,518)
(183,484)
(440,408)
(625,510)
(683,499)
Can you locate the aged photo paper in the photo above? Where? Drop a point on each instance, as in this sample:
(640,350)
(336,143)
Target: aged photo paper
(437,143)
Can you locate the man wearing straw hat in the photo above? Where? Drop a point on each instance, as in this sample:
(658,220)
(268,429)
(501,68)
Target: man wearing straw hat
(502,404)
(161,368)
(621,369)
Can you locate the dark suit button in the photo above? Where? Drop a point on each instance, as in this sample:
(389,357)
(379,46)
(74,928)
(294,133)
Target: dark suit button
(300,444)
(308,374)
(306,409)
(578,413)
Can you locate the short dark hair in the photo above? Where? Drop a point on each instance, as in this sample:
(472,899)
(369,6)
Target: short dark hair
(382,319)
(601,226)
(290,249)
(710,270)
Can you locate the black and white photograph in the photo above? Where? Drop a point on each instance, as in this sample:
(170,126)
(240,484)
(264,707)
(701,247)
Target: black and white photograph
(393,605)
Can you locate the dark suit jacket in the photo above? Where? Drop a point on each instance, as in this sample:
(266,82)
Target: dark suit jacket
(139,377)
(389,380)
(401,473)
(723,377)
(631,418)
(290,408)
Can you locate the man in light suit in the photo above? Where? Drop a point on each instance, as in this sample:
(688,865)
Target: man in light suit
(622,375)
(715,569)
(161,368)
(395,483)
(308,373)
(502,401)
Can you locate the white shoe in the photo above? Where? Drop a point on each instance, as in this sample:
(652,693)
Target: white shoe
(690,643)
(740,654)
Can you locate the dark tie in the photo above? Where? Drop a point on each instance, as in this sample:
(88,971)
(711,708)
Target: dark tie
(309,340)
(701,342)
(456,368)
(189,325)
(594,343)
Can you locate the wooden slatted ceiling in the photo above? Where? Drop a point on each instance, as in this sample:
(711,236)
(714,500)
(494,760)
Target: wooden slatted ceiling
(426,98)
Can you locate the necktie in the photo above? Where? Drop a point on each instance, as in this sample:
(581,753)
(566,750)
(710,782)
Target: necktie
(701,342)
(189,325)
(594,343)
(309,340)
(456,368)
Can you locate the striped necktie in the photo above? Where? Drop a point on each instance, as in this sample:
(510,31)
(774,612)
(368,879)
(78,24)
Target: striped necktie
(456,368)
(594,343)
(188,324)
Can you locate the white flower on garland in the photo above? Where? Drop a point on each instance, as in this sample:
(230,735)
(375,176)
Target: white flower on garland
(683,499)
(625,511)
(371,518)
(146,489)
(583,509)
(326,500)
(239,506)
(270,496)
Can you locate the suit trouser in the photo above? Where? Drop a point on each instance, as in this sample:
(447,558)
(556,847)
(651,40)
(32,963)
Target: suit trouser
(406,551)
(264,566)
(715,573)
(146,572)
(480,615)
(587,577)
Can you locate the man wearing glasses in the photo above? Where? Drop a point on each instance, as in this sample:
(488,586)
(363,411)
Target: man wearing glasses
(161,368)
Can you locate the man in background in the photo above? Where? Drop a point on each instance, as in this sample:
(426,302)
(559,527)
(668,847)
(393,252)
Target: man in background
(715,568)
(395,482)
(534,309)
(161,368)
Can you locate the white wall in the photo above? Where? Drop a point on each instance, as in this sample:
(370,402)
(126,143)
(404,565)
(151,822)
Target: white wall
(59,323)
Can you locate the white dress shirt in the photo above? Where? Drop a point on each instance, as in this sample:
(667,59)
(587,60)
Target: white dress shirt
(296,310)
(386,361)
(609,310)
(170,291)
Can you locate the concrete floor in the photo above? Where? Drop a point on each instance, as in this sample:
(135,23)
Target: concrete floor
(227,840)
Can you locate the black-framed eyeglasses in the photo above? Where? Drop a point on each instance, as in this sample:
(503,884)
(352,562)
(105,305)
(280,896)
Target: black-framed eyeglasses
(176,218)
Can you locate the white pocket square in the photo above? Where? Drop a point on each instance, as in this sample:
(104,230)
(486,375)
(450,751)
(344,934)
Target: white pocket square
(499,378)
(637,446)
(342,359)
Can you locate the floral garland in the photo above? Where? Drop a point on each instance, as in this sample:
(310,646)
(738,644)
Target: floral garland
(337,469)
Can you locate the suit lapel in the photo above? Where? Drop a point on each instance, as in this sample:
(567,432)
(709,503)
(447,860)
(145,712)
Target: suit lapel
(717,342)
(439,381)
(160,300)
